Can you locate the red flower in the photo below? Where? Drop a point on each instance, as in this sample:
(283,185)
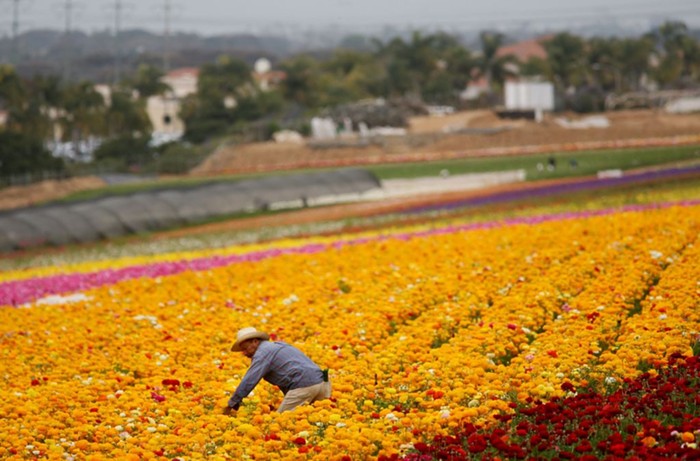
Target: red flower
(477,443)
(299,441)
(421,447)
(584,447)
(157,397)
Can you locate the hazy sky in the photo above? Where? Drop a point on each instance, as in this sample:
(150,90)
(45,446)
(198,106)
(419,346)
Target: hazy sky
(209,17)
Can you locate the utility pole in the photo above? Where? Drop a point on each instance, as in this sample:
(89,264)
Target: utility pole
(68,7)
(117,51)
(15,32)
(166,38)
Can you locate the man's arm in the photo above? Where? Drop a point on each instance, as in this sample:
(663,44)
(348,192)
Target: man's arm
(257,370)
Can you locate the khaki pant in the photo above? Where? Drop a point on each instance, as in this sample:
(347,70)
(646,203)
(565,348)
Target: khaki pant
(303,395)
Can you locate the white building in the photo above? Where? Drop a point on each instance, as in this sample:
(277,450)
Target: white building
(163,110)
(529,95)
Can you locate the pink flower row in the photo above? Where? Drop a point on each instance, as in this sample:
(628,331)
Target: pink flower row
(18,292)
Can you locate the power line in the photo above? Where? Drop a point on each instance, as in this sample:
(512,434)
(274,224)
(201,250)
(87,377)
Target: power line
(68,11)
(15,31)
(117,51)
(166,37)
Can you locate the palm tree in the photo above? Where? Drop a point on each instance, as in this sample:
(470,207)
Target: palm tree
(492,67)
(85,111)
(566,56)
(677,53)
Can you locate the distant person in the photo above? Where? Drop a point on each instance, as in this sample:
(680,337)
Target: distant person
(573,163)
(551,164)
(300,380)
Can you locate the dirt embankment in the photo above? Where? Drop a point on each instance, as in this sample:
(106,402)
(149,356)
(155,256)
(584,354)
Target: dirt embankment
(462,134)
(32,194)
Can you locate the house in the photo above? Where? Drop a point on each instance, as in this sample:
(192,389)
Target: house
(475,88)
(183,81)
(266,78)
(163,109)
(526,50)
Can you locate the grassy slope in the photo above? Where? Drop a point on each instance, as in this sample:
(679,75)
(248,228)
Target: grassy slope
(587,163)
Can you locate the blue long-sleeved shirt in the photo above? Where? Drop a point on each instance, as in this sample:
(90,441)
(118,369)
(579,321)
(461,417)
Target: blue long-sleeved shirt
(280,364)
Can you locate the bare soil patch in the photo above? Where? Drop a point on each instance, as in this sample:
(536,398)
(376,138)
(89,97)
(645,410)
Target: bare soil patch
(436,137)
(32,194)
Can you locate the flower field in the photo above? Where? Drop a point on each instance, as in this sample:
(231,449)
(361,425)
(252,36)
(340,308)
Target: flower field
(557,336)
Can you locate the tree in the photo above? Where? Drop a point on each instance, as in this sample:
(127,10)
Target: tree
(492,67)
(409,64)
(567,59)
(433,67)
(348,76)
(228,77)
(12,90)
(148,81)
(676,53)
(227,98)
(535,66)
(127,116)
(301,82)
(125,153)
(634,59)
(85,109)
(22,153)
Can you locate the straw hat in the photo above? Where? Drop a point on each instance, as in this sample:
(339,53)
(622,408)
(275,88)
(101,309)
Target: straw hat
(247,333)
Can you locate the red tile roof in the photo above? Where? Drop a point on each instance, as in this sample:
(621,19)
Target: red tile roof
(525,50)
(183,72)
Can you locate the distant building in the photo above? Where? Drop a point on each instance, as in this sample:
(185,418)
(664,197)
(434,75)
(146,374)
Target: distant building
(106,92)
(163,110)
(269,80)
(526,50)
(183,81)
(475,89)
(265,77)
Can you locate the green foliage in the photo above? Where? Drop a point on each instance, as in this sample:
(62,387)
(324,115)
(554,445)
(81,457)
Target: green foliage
(566,54)
(126,116)
(300,85)
(125,153)
(147,81)
(343,286)
(177,158)
(24,154)
(492,67)
(226,99)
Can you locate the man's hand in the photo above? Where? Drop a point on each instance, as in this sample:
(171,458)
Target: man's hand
(228,411)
